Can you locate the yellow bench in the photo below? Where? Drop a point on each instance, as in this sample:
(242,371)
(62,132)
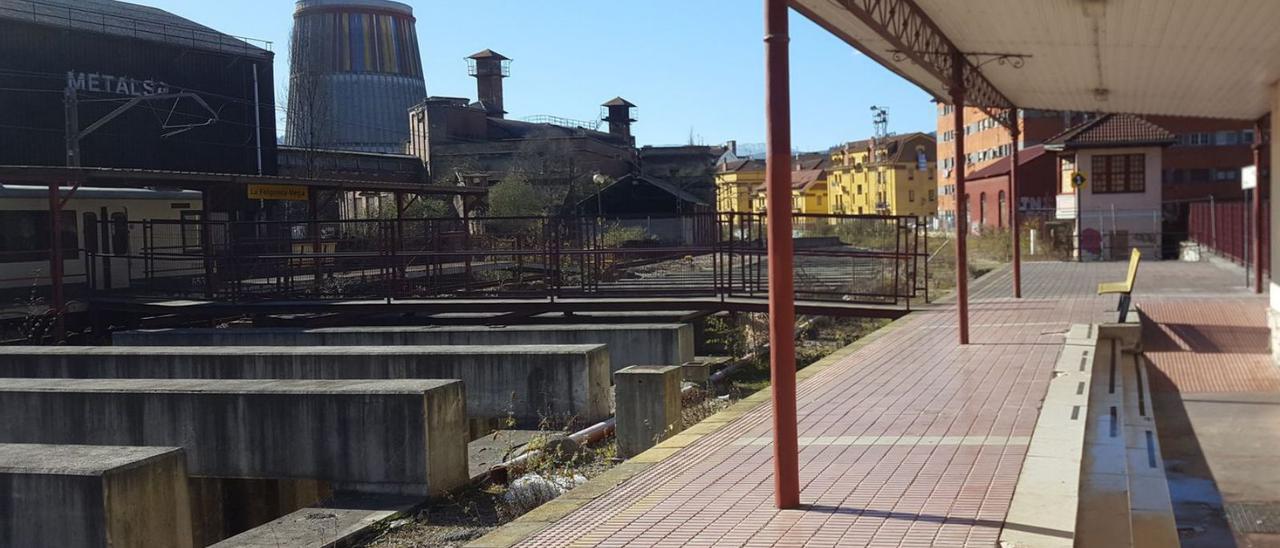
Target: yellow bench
(1125,288)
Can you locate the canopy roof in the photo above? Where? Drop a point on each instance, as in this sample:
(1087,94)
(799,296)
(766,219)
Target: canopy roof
(1182,58)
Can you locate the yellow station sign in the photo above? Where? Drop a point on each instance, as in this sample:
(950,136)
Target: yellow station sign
(277,192)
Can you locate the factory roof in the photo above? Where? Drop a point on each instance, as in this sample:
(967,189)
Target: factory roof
(129,20)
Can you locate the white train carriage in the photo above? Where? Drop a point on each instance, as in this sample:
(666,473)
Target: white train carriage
(105,234)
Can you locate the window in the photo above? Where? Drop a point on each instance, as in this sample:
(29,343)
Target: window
(24,236)
(911,196)
(933,194)
(1001,204)
(1117,173)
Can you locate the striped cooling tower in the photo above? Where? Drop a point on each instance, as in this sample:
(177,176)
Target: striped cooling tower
(354,72)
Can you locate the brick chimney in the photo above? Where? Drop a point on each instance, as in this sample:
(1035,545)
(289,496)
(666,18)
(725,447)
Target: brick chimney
(618,114)
(489,68)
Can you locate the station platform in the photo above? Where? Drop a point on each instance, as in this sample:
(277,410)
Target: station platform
(906,437)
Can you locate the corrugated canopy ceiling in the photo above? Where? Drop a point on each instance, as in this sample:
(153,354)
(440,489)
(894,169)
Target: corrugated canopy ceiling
(1212,58)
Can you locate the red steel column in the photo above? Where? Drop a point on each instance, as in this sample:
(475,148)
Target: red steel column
(962,199)
(782,312)
(1014,218)
(1258,145)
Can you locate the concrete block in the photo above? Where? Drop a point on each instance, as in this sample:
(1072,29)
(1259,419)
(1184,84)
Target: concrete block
(648,409)
(1127,334)
(696,372)
(699,370)
(381,436)
(529,382)
(93,496)
(628,344)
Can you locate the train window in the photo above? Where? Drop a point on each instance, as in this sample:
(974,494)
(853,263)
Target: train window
(24,236)
(119,233)
(90,232)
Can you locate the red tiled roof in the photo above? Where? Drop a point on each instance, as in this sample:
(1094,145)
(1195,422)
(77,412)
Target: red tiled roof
(804,178)
(1112,130)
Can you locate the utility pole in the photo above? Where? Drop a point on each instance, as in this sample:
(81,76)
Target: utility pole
(71,106)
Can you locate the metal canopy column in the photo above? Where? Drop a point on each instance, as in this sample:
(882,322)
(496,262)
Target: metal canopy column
(782,357)
(962,200)
(1014,216)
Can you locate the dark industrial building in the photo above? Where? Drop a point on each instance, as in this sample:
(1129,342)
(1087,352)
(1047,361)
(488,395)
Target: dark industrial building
(691,168)
(457,137)
(355,70)
(191,98)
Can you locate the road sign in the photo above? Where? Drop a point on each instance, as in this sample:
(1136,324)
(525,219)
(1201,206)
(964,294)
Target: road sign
(1078,179)
(1248,177)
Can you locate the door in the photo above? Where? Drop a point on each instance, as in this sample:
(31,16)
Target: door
(92,251)
(118,262)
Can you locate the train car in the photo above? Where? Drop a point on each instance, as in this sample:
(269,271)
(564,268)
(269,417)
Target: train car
(105,232)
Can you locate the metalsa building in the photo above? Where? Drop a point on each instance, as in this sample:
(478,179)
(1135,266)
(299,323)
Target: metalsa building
(146,89)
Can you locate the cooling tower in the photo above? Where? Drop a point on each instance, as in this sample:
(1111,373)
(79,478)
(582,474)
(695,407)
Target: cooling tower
(354,72)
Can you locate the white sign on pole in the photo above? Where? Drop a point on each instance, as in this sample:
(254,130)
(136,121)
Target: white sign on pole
(1248,177)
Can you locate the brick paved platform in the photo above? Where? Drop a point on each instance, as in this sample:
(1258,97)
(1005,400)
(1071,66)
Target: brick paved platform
(1216,393)
(907,440)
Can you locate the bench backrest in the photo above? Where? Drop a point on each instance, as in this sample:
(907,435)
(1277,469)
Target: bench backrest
(1135,257)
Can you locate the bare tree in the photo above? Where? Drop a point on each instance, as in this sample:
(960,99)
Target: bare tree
(308,115)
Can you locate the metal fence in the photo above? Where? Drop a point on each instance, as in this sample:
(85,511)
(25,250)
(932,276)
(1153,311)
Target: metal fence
(853,259)
(1226,228)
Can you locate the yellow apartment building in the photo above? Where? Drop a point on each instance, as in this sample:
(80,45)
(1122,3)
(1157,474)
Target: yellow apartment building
(740,186)
(736,183)
(894,176)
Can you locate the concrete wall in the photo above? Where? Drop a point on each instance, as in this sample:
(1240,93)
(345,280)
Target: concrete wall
(629,344)
(648,406)
(224,507)
(530,382)
(400,436)
(93,496)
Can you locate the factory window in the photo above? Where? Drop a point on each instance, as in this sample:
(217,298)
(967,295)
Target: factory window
(24,236)
(1117,173)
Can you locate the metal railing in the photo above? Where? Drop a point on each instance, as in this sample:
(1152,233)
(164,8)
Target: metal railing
(864,259)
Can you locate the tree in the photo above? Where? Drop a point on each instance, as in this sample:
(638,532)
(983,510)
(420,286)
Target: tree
(514,196)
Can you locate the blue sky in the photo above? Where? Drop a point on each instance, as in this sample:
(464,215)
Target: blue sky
(690,65)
